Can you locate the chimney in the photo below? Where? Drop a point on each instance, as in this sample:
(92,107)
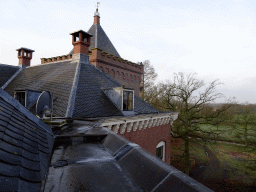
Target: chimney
(81,41)
(24,55)
(96,17)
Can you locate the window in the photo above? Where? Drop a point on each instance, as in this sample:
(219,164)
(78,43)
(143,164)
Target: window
(160,150)
(21,97)
(127,101)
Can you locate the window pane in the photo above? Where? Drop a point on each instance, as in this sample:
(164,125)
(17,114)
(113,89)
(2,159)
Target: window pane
(159,152)
(125,105)
(125,95)
(130,96)
(130,101)
(127,100)
(20,96)
(130,105)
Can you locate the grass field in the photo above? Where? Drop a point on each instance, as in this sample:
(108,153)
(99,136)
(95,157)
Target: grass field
(237,165)
(230,134)
(237,160)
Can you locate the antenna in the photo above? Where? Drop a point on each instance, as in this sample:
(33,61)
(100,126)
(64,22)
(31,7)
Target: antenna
(44,104)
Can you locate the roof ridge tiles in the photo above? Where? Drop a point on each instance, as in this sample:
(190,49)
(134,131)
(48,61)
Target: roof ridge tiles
(72,96)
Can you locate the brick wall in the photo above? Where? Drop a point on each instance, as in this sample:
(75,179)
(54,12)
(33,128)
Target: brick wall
(150,137)
(124,72)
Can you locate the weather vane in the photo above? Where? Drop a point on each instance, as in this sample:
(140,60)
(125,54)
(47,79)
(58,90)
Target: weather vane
(98,4)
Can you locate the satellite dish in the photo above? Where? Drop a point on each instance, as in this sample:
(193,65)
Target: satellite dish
(44,104)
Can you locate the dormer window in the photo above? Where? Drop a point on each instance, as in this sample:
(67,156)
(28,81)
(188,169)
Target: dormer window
(127,100)
(21,97)
(26,97)
(122,98)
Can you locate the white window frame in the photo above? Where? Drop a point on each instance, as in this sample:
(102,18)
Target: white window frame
(132,99)
(160,144)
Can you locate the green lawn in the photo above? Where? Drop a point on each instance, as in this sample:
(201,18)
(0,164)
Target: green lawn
(238,161)
(228,133)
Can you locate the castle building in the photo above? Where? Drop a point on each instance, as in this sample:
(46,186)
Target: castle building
(104,56)
(102,136)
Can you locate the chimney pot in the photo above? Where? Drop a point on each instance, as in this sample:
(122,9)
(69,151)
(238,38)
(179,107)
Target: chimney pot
(81,41)
(24,55)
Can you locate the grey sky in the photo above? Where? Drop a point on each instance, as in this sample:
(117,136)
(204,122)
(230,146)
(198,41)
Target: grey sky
(215,39)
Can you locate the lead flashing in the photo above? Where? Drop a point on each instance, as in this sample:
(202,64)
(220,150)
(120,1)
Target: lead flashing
(72,97)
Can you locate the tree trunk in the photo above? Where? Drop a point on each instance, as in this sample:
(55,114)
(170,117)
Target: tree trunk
(245,135)
(186,154)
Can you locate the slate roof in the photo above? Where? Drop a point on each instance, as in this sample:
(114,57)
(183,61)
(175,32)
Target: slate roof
(87,99)
(96,159)
(6,72)
(25,147)
(55,77)
(91,101)
(100,40)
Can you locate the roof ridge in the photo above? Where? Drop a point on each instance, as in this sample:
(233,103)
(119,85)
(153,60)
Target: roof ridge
(72,96)
(15,66)
(12,77)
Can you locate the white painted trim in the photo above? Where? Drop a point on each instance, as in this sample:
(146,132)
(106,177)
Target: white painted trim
(138,122)
(162,143)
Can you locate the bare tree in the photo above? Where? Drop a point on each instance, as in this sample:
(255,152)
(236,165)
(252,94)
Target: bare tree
(150,75)
(190,97)
(244,122)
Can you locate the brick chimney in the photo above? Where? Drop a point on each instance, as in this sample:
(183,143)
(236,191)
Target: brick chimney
(81,41)
(24,55)
(96,17)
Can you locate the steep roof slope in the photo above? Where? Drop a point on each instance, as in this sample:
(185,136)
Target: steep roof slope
(91,101)
(100,40)
(55,77)
(25,147)
(77,89)
(6,72)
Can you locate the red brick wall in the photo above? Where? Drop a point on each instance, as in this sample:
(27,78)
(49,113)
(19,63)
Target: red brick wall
(124,72)
(149,138)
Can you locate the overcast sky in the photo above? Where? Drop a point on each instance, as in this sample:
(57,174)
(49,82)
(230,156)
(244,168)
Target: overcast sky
(215,39)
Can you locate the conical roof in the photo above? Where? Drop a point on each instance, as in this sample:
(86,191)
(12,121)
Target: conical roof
(100,40)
